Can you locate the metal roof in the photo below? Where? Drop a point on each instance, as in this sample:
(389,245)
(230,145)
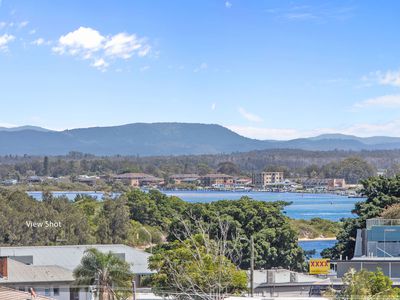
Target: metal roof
(19,272)
(69,257)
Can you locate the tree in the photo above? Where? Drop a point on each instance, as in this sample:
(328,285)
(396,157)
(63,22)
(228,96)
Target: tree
(108,273)
(275,240)
(46,166)
(352,169)
(197,267)
(367,285)
(228,167)
(113,221)
(381,193)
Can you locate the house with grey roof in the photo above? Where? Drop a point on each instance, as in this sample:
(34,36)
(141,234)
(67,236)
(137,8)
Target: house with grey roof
(49,269)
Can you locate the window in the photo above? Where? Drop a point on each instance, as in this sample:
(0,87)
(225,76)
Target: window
(56,291)
(47,292)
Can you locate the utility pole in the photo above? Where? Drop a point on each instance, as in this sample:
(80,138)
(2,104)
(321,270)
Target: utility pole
(252,266)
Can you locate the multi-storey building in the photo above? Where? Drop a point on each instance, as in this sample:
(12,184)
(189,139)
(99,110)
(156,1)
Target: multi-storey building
(264,179)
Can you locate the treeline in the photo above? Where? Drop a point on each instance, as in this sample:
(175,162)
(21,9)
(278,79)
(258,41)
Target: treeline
(295,163)
(139,218)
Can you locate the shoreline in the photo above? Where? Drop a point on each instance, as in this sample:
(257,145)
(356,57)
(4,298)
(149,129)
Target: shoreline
(317,239)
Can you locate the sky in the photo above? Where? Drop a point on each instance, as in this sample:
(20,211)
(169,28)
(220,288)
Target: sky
(265,69)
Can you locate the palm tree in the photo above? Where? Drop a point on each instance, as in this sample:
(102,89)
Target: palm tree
(104,270)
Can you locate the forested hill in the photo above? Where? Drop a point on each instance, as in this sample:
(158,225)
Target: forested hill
(150,139)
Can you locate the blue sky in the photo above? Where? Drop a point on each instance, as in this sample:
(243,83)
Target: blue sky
(266,69)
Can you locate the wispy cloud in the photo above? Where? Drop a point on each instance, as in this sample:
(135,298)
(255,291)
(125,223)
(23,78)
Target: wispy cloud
(320,13)
(249,116)
(389,77)
(203,66)
(40,42)
(391,128)
(89,44)
(144,68)
(213,106)
(22,24)
(387,101)
(5,39)
(228,4)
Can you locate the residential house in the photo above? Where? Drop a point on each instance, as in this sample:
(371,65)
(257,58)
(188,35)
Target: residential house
(49,269)
(12,294)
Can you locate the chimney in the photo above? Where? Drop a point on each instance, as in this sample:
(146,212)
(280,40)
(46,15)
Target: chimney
(3,267)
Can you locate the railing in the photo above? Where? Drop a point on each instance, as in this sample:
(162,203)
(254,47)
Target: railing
(382,222)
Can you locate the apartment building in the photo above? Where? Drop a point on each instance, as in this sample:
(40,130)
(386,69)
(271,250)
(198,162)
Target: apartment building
(265,179)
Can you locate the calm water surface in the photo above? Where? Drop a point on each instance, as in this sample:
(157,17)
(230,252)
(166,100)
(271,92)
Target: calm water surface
(304,206)
(318,246)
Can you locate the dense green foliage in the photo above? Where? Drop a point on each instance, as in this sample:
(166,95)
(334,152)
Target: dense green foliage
(365,285)
(196,269)
(381,193)
(110,274)
(275,239)
(84,221)
(144,218)
(316,228)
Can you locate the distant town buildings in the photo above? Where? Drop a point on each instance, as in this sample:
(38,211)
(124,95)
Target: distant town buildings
(216,180)
(265,179)
(137,179)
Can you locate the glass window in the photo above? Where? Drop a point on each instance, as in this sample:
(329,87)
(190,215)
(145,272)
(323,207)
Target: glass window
(56,291)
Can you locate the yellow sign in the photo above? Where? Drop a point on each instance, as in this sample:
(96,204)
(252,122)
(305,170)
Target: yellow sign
(319,266)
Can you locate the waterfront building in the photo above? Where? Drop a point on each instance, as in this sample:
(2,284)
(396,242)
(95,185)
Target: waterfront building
(185,178)
(217,180)
(138,179)
(264,179)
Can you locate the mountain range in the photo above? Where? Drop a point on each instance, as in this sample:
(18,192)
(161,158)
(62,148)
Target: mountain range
(152,139)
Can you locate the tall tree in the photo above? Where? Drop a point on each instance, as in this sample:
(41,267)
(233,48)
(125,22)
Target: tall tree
(107,272)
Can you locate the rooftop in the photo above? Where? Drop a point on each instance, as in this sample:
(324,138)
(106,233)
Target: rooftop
(11,294)
(22,273)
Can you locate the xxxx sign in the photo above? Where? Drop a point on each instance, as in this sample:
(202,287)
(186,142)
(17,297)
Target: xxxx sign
(319,266)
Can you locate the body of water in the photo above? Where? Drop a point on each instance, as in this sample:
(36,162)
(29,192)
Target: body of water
(71,195)
(304,206)
(318,246)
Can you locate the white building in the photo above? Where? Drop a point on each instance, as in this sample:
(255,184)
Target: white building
(49,269)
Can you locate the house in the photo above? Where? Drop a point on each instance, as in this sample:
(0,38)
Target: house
(138,179)
(336,184)
(49,269)
(48,281)
(265,179)
(89,180)
(216,180)
(185,178)
(12,294)
(279,282)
